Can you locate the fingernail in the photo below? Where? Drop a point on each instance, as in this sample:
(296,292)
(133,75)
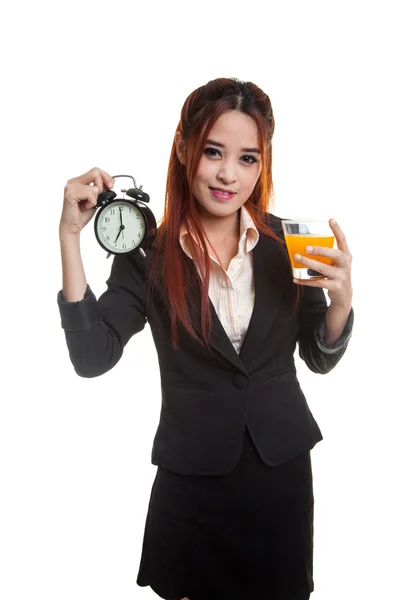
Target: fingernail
(297,256)
(334,222)
(309,248)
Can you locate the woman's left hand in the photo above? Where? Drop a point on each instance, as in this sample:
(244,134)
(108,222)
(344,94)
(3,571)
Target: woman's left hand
(338,275)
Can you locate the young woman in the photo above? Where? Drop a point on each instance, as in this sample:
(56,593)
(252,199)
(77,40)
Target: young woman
(231,508)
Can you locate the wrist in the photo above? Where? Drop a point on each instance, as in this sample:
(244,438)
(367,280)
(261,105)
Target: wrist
(67,237)
(335,319)
(335,307)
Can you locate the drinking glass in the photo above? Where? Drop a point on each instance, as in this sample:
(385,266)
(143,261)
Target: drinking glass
(300,233)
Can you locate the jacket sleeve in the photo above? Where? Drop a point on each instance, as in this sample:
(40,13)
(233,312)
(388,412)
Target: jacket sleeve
(96,331)
(319,356)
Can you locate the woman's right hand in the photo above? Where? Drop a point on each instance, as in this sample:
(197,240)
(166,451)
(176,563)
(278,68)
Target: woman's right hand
(80,199)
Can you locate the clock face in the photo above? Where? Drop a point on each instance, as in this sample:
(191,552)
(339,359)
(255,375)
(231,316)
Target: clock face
(120,227)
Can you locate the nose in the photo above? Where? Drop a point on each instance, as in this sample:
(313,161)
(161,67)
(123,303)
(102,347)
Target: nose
(226,173)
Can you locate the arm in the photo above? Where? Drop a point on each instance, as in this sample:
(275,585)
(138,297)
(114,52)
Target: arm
(73,274)
(324,333)
(336,320)
(317,350)
(97,331)
(334,331)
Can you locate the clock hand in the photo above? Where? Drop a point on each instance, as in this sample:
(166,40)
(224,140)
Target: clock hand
(122,225)
(119,233)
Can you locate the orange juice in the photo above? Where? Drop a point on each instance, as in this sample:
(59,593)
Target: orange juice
(297,242)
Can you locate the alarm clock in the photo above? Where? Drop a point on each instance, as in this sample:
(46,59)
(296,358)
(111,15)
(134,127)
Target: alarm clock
(124,225)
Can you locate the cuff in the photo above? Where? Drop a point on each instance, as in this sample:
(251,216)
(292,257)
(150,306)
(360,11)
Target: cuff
(320,336)
(77,316)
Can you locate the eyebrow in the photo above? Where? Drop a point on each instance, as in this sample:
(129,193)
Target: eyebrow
(214,143)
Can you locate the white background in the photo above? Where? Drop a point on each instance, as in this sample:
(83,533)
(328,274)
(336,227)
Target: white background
(101,84)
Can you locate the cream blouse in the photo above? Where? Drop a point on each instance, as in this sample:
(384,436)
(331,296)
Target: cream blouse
(233,296)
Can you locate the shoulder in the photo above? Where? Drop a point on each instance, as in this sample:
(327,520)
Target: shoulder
(274,223)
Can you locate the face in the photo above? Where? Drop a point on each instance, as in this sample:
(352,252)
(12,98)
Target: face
(229,167)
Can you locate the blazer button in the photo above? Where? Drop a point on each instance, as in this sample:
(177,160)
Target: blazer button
(240,381)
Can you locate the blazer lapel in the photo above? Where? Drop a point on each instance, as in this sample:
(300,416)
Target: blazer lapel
(221,342)
(267,263)
(219,339)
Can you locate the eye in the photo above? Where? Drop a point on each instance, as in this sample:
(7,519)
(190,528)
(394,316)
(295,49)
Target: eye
(247,158)
(252,159)
(211,151)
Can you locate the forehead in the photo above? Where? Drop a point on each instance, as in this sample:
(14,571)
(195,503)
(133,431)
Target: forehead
(235,128)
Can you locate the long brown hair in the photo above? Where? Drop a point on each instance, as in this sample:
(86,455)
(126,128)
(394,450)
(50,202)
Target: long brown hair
(199,113)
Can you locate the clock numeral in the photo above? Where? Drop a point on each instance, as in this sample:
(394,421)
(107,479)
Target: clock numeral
(106,219)
(103,228)
(141,225)
(112,211)
(137,216)
(121,208)
(139,235)
(108,237)
(124,246)
(130,209)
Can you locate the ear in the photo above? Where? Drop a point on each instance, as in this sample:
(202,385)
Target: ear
(179,147)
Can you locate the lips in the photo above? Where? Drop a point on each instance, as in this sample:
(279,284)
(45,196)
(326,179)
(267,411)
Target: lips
(222,190)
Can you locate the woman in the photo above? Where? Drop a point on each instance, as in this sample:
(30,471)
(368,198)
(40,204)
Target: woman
(231,508)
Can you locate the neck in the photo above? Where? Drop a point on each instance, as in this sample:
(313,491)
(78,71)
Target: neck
(221,228)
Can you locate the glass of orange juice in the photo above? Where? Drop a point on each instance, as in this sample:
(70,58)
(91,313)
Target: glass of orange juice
(300,233)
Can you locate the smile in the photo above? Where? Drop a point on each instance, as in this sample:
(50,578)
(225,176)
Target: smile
(227,194)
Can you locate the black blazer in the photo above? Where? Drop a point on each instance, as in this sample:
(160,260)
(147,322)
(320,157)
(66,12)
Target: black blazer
(208,397)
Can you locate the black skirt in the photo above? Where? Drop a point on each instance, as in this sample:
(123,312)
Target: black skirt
(247,535)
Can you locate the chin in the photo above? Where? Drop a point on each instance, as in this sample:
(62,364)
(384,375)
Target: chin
(219,211)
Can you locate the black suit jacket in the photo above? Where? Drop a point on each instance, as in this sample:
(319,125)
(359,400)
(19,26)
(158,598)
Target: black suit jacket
(208,397)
